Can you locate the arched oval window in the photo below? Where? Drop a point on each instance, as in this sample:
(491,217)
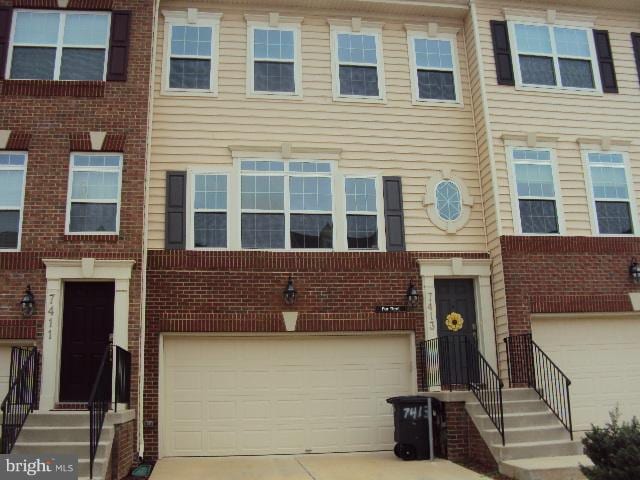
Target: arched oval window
(448,200)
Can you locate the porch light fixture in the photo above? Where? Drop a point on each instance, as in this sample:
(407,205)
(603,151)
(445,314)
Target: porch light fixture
(27,303)
(289,293)
(634,270)
(412,296)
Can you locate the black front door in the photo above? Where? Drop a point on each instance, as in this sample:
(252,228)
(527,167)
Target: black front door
(456,320)
(86,326)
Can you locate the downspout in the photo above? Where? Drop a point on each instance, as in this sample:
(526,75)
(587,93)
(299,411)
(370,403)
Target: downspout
(145,235)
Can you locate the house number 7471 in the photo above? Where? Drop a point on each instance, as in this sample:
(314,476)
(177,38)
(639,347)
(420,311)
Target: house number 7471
(50,311)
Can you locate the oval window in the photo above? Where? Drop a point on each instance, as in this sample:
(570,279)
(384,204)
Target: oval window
(448,200)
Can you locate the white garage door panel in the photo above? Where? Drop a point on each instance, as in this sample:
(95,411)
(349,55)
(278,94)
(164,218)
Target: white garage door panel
(269,395)
(5,367)
(600,356)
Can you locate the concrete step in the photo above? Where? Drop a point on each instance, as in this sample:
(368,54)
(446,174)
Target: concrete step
(61,434)
(548,468)
(518,420)
(81,449)
(58,419)
(557,448)
(99,467)
(511,406)
(512,394)
(527,434)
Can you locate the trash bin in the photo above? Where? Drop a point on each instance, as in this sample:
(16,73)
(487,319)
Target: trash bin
(417,420)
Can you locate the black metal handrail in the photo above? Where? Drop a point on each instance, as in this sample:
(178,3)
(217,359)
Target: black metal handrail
(123,377)
(22,397)
(530,365)
(98,404)
(455,363)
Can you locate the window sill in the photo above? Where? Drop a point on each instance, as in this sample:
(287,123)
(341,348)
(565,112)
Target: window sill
(559,90)
(436,104)
(369,100)
(274,96)
(189,93)
(52,88)
(108,238)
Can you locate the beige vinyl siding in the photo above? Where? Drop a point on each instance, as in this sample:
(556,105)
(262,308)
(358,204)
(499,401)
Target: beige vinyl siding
(564,115)
(395,138)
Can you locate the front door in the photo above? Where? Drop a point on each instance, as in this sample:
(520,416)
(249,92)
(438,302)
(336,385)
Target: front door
(456,319)
(86,327)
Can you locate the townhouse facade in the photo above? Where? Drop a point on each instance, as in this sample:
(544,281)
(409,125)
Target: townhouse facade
(73,130)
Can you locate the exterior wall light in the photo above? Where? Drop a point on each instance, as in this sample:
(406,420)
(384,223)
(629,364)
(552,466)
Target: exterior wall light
(289,293)
(412,296)
(634,270)
(27,304)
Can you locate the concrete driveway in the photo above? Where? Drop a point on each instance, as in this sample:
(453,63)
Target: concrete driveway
(348,466)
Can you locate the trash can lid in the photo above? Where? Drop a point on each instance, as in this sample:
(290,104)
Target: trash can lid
(412,399)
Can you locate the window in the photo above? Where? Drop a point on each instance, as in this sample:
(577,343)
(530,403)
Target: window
(357,61)
(191,60)
(434,67)
(362,213)
(209,210)
(94,193)
(49,45)
(610,184)
(536,192)
(12,180)
(274,63)
(448,201)
(552,56)
(286,205)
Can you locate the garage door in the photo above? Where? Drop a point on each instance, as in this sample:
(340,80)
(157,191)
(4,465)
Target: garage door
(5,366)
(600,356)
(281,395)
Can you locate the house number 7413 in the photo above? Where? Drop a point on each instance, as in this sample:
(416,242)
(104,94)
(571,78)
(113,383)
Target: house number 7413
(50,312)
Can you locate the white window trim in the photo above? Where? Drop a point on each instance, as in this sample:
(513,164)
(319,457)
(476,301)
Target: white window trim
(60,43)
(379,213)
(191,210)
(183,18)
(513,184)
(451,37)
(22,168)
(368,28)
(285,23)
(633,208)
(595,67)
(119,169)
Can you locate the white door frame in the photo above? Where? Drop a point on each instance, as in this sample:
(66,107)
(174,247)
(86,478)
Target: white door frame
(86,269)
(479,270)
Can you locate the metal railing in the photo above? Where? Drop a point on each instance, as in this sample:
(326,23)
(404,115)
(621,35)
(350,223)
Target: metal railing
(98,404)
(22,397)
(123,377)
(455,363)
(530,365)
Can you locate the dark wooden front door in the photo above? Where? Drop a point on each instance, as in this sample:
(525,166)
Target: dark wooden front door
(86,326)
(456,296)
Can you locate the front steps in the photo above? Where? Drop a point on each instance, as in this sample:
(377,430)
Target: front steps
(537,446)
(66,432)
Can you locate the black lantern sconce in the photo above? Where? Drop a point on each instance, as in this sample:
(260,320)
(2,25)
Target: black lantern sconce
(634,270)
(412,296)
(27,304)
(289,293)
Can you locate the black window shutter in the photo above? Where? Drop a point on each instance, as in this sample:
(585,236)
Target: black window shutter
(5,29)
(502,52)
(119,46)
(176,211)
(635,40)
(605,60)
(393,213)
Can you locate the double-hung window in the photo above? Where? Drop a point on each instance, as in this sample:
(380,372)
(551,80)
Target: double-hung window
(434,69)
(611,190)
(274,62)
(94,193)
(209,210)
(536,191)
(191,59)
(54,45)
(286,204)
(357,61)
(362,213)
(12,179)
(554,56)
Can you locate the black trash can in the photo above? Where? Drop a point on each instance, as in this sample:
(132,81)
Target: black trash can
(417,421)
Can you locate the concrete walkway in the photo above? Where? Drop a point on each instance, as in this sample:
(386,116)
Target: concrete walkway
(351,466)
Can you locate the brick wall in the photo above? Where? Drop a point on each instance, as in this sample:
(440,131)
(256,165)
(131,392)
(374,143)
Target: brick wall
(566,275)
(124,451)
(191,291)
(464,443)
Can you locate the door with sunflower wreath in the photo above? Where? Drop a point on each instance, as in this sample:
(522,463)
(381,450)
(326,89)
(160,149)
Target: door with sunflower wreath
(456,315)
